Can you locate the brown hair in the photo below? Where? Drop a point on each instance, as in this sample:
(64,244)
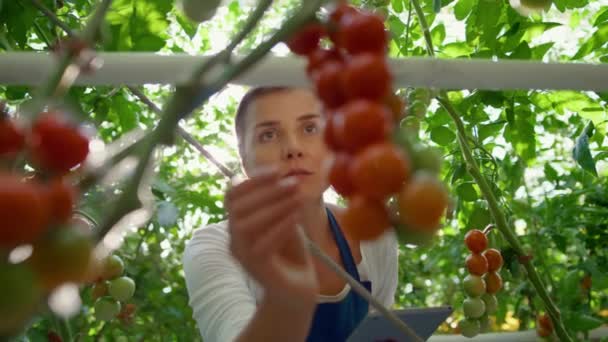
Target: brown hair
(250,96)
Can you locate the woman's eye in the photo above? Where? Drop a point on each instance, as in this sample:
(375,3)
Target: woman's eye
(312,128)
(267,136)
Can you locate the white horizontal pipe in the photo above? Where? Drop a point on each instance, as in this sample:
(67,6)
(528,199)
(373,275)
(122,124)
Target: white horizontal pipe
(135,68)
(518,336)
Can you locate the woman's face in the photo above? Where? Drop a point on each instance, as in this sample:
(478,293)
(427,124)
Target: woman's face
(284,129)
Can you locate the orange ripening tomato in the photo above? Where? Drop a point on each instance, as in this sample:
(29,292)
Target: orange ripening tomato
(328,84)
(339,175)
(12,140)
(56,144)
(477,264)
(396,105)
(493,282)
(365,219)
(23,211)
(494,259)
(307,39)
(423,202)
(63,257)
(319,57)
(367,76)
(61,197)
(339,12)
(361,123)
(380,170)
(362,32)
(544,322)
(476,241)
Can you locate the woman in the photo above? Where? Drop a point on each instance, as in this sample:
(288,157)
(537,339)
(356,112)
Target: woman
(250,278)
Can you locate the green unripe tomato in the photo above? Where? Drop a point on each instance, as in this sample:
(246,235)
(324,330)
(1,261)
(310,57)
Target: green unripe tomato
(20,294)
(491,303)
(427,158)
(485,324)
(122,289)
(473,307)
(469,327)
(113,267)
(417,109)
(474,286)
(106,309)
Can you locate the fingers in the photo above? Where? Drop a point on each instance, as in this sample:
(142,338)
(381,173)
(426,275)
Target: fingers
(275,237)
(257,178)
(263,195)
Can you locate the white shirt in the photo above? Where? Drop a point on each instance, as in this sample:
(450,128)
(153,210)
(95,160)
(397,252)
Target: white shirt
(223,296)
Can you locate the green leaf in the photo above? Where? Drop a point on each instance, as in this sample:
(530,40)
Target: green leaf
(397,5)
(467,192)
(569,288)
(581,151)
(539,51)
(138,25)
(522,51)
(480,217)
(19,20)
(602,16)
(463,8)
(457,49)
(442,135)
(16,92)
(520,132)
(438,34)
(551,173)
(126,111)
(582,322)
(167,214)
(599,38)
(490,130)
(189,27)
(396,26)
(487,23)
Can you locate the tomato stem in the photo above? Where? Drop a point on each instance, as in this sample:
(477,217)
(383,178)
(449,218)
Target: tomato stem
(488,229)
(225,55)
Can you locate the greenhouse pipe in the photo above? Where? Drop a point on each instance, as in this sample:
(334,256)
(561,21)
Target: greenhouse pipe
(137,68)
(530,335)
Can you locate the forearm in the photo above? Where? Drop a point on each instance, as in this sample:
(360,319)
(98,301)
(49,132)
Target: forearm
(279,322)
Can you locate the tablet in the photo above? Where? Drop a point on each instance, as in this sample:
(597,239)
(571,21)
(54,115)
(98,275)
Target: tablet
(424,321)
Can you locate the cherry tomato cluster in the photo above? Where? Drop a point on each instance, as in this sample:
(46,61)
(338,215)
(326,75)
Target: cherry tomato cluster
(353,80)
(544,326)
(111,290)
(481,285)
(38,211)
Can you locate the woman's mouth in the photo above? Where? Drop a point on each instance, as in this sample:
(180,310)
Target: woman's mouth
(298,173)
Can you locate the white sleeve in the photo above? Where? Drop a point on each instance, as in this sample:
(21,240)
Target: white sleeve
(385,268)
(221,301)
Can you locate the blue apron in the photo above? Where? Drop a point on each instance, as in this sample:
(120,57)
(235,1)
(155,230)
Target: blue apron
(334,322)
